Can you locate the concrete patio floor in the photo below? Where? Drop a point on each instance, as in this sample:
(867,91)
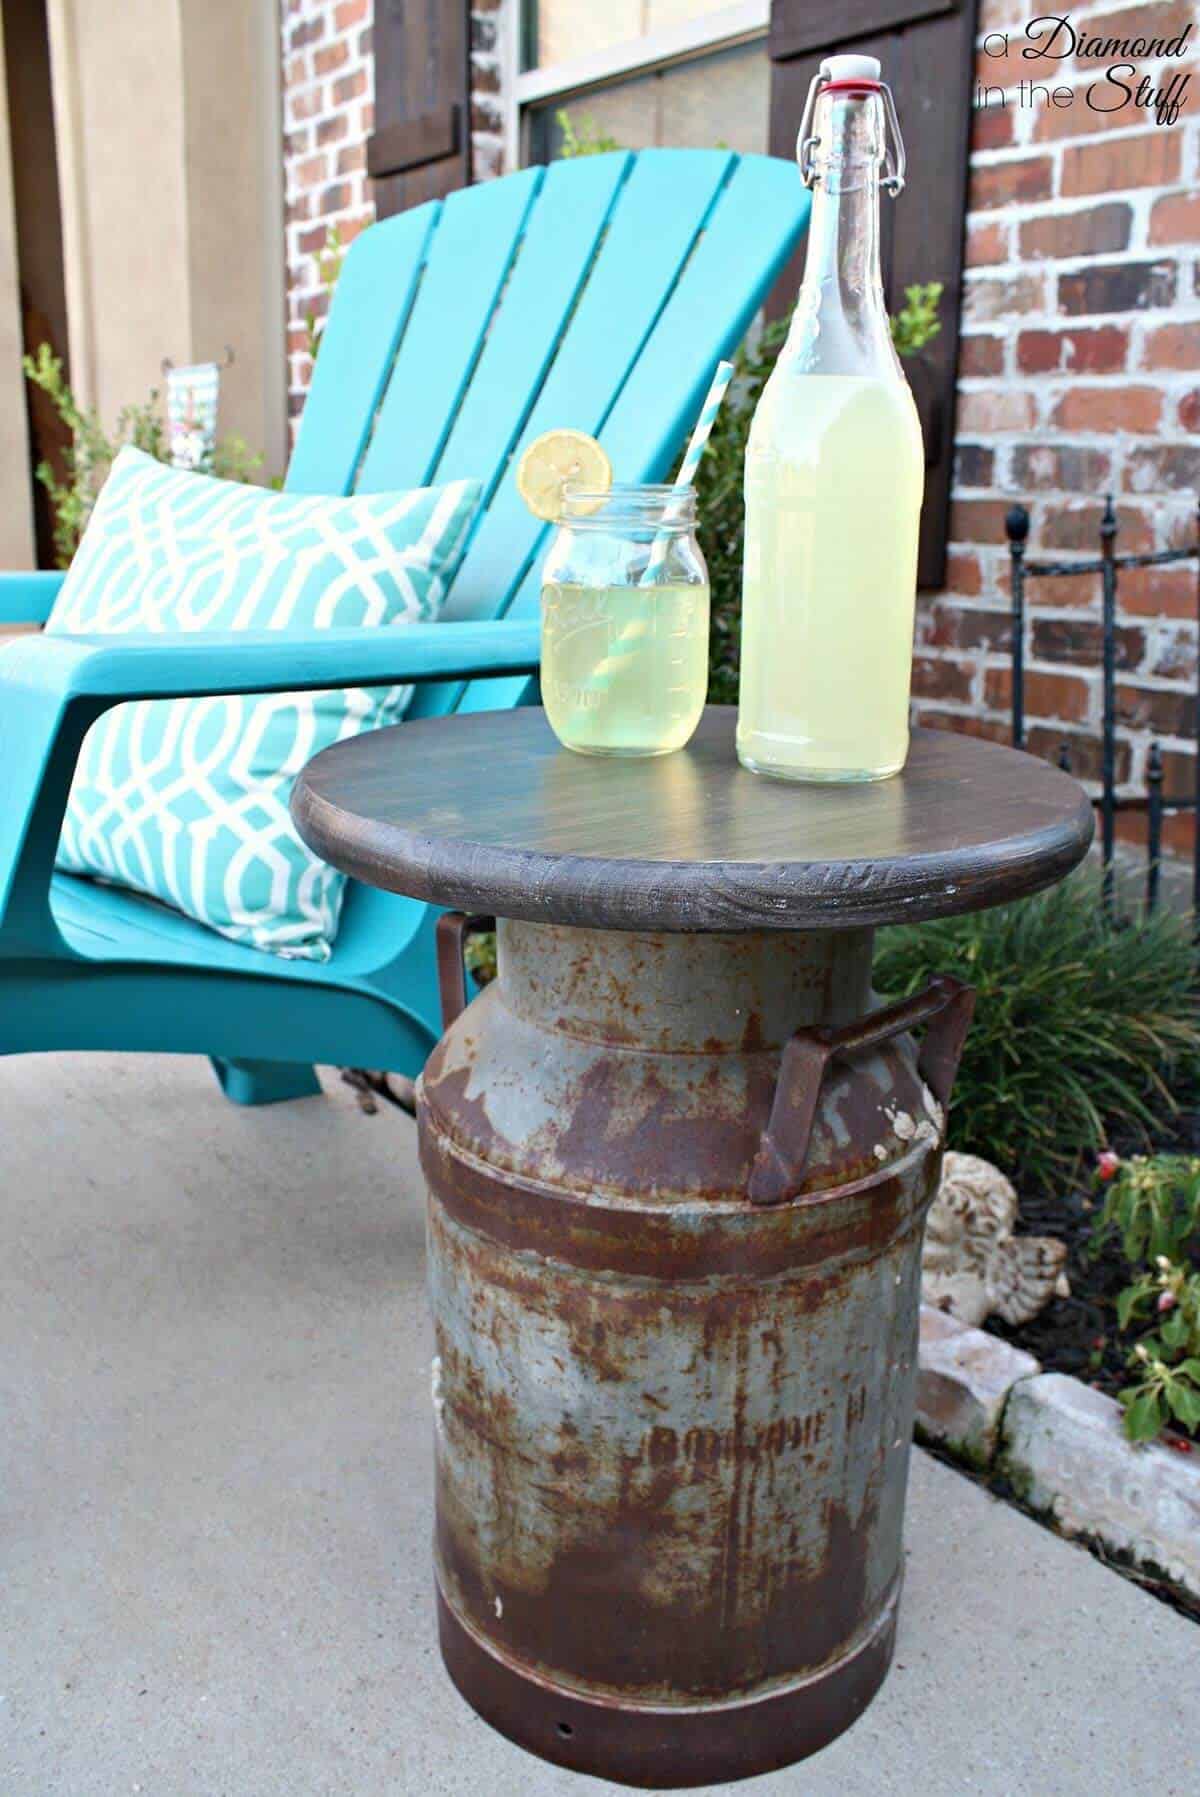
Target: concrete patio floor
(215,1497)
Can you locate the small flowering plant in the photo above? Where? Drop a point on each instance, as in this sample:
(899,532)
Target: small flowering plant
(1153,1203)
(1166,1361)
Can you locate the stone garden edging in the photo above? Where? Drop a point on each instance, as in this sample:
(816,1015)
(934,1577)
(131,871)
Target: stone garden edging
(1060,1445)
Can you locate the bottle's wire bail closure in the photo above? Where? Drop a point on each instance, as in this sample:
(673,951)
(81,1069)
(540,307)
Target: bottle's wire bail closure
(895,161)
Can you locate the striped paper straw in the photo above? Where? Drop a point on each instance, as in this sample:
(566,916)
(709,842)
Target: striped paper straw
(689,465)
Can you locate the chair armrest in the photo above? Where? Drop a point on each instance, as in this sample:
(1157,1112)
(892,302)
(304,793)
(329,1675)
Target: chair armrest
(27,598)
(54,687)
(207,663)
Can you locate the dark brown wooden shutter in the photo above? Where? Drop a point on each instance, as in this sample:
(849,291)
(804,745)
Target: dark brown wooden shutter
(927,51)
(421,148)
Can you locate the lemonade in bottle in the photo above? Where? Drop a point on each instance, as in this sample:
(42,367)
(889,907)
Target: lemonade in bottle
(834,476)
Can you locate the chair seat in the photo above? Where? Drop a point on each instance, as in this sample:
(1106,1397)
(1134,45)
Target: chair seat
(108,923)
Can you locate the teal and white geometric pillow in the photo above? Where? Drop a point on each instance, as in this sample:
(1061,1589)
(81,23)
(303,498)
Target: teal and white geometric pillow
(187,799)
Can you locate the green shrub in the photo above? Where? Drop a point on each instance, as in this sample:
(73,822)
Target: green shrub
(1166,1361)
(93,451)
(1152,1208)
(586,140)
(720,510)
(1152,1204)
(1081,1026)
(917,320)
(329,267)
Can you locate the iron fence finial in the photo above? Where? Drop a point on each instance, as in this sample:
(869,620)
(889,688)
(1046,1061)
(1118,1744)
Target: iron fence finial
(1016,524)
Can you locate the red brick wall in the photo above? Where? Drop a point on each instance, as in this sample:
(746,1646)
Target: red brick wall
(1080,373)
(328,115)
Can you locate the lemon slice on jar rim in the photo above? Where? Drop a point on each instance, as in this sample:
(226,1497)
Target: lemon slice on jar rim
(556,460)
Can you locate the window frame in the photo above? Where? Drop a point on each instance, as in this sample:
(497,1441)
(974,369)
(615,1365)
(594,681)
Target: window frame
(725,28)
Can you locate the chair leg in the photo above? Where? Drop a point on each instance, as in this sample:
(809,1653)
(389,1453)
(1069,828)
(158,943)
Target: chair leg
(265,1082)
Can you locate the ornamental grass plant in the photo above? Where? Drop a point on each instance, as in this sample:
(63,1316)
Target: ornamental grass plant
(1085,1032)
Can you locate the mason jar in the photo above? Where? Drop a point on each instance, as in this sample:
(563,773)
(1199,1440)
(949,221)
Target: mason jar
(625,621)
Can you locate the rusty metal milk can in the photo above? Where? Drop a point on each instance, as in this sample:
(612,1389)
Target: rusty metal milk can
(677,1188)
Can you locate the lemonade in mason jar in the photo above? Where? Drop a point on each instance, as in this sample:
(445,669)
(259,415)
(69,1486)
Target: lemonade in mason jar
(625,621)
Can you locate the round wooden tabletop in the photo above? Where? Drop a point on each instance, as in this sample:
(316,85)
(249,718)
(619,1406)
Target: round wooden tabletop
(486,812)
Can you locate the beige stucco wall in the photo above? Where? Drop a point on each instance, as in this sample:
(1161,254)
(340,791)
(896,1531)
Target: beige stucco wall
(16,512)
(167,120)
(233,174)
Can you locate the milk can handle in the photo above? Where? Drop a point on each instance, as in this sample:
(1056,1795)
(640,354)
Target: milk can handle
(452,927)
(945,1005)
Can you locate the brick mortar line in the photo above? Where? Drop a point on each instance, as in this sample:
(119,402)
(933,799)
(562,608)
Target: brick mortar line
(1184,311)
(1054,149)
(1017,214)
(1183,253)
(1066,436)
(997,660)
(1167,254)
(1025,382)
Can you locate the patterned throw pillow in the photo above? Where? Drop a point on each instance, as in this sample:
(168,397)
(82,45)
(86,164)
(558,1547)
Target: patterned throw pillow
(187,799)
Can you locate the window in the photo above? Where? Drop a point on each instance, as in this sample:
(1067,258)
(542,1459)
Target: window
(689,73)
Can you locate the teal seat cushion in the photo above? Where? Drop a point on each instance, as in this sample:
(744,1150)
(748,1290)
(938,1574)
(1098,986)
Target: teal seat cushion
(186,800)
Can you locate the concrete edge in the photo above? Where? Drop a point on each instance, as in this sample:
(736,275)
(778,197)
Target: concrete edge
(1060,1445)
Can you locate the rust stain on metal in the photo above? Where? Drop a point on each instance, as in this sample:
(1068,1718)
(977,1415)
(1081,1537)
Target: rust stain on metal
(673,1424)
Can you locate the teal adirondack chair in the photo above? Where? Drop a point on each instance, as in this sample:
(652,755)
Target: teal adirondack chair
(596,293)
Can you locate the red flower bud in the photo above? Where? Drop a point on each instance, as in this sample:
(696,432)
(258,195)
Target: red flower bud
(1166,1301)
(1107,1164)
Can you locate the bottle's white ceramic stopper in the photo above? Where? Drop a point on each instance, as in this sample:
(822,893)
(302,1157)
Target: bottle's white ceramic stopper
(851,68)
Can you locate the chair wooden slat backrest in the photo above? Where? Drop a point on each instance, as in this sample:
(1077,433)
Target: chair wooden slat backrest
(581,294)
(365,327)
(470,258)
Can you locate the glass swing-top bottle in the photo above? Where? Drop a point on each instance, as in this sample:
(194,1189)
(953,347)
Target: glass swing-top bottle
(834,475)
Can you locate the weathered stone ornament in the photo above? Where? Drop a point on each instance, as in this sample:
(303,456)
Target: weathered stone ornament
(973,1265)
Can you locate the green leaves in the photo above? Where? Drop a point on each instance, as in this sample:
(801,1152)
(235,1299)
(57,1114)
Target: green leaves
(720,508)
(1144,1413)
(917,321)
(1153,1203)
(588,140)
(329,267)
(1185,1403)
(1081,1027)
(1175,1334)
(73,489)
(1162,1397)
(1128,1304)
(1168,1358)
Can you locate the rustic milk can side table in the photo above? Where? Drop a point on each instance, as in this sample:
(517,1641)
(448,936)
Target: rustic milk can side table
(678,1163)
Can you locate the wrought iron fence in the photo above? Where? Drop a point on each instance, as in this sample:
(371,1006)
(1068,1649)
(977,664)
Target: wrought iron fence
(1154,801)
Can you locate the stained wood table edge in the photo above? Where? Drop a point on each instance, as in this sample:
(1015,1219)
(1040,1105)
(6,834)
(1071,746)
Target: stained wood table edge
(603,892)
